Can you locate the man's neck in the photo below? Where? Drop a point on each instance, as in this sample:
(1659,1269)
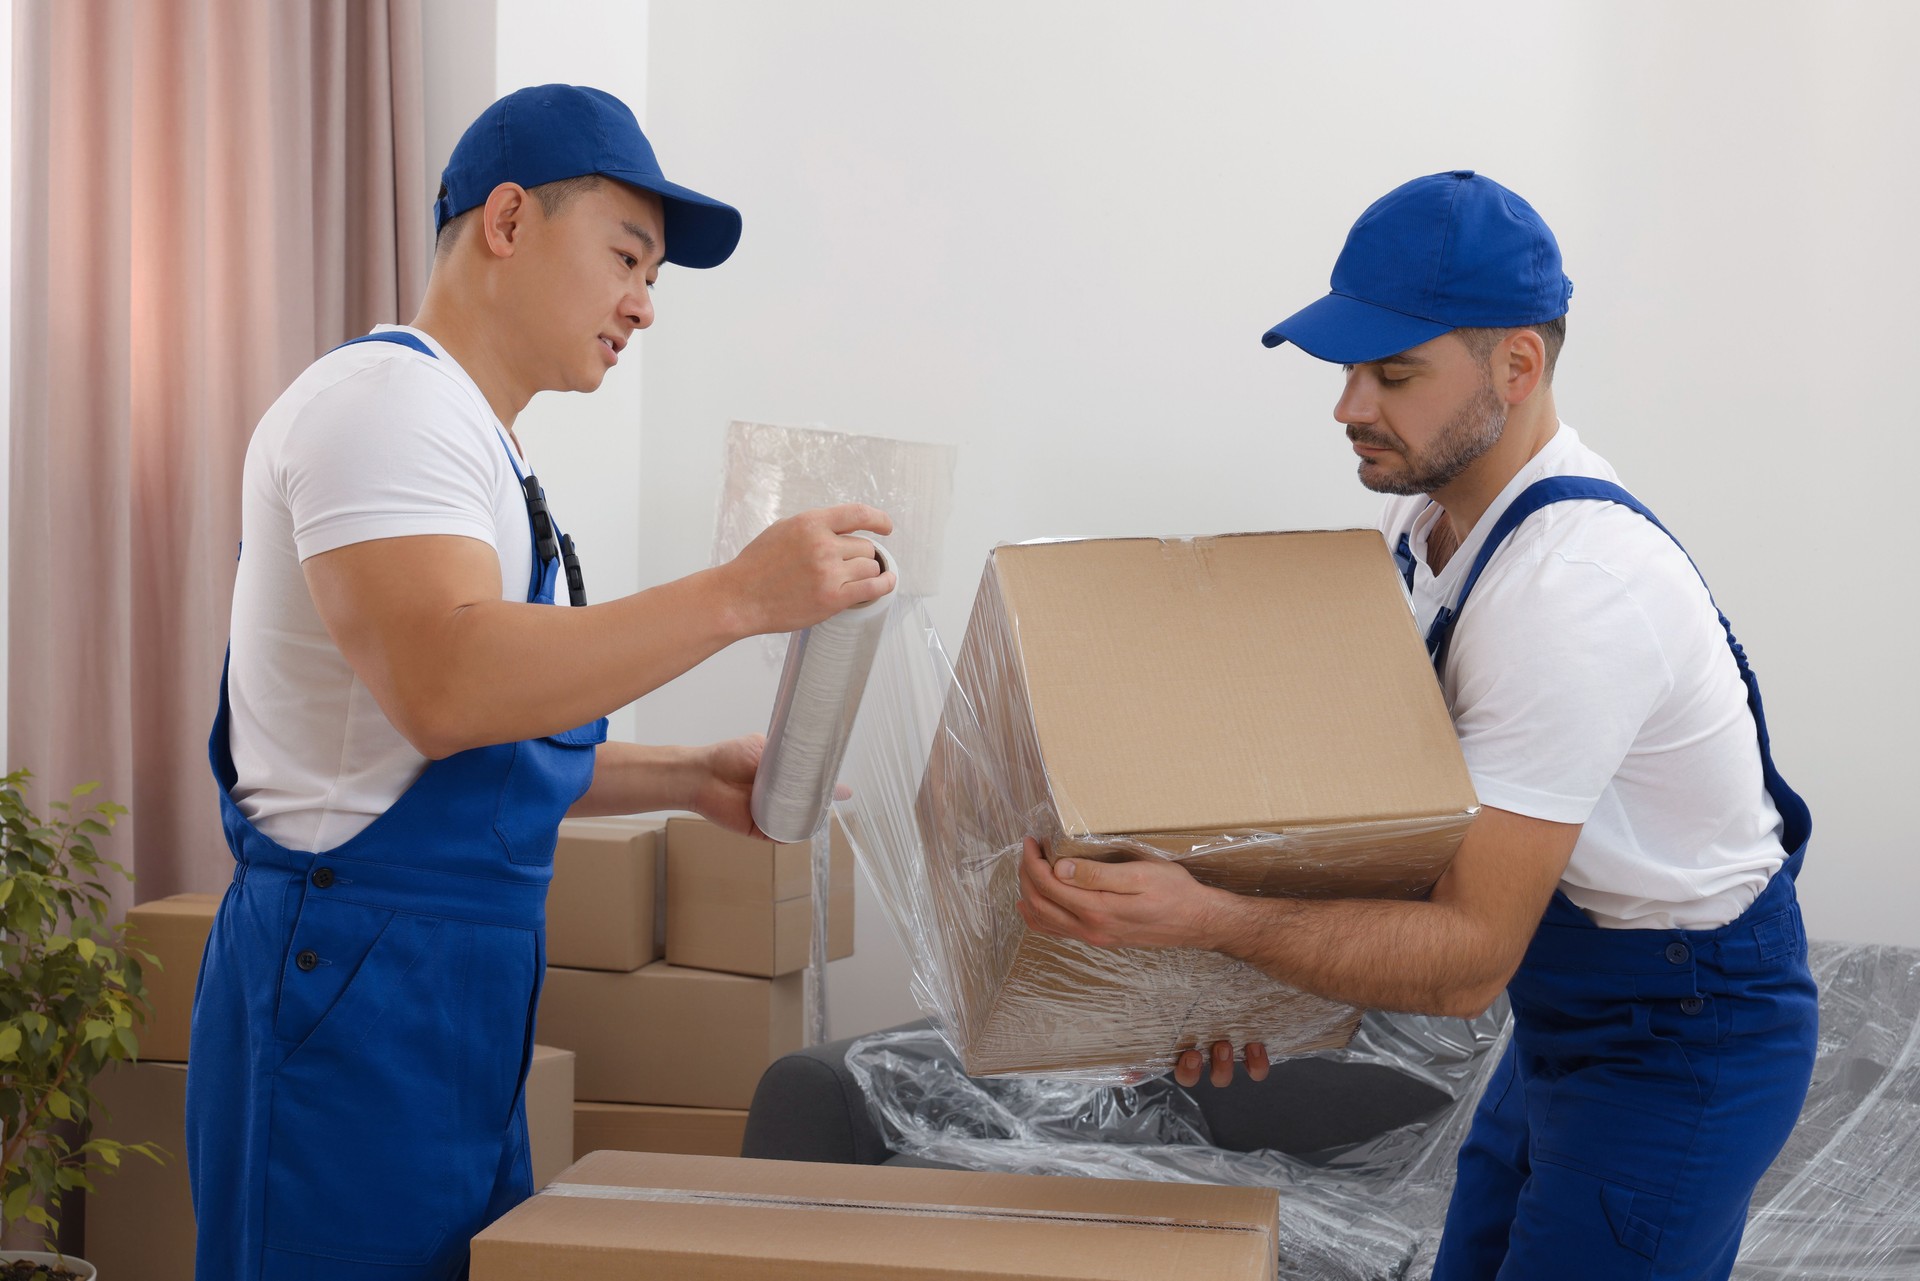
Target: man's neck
(1467,498)
(478,351)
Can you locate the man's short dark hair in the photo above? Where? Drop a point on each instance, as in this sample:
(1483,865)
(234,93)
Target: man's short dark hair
(1481,342)
(553,197)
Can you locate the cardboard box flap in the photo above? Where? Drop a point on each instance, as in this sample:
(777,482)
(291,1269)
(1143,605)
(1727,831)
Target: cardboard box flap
(841,1220)
(1208,730)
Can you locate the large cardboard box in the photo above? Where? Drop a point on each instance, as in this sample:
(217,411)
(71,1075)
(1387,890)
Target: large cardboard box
(672,1036)
(603,903)
(1259,706)
(639,1127)
(140,1217)
(550,1112)
(713,1219)
(175,930)
(745,906)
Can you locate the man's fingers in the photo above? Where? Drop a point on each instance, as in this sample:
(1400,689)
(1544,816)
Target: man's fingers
(1186,1068)
(856,549)
(1222,1064)
(862,591)
(1108,878)
(851,516)
(1257,1063)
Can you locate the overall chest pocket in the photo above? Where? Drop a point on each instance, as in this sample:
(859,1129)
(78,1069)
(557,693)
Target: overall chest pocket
(544,778)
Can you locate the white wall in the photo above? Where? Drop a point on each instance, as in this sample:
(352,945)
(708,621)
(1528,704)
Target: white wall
(1052,234)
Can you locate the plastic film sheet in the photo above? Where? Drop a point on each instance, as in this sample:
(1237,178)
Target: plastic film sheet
(1841,1203)
(947,780)
(773,472)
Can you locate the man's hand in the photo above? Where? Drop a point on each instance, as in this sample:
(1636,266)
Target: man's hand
(1188,1064)
(723,788)
(807,568)
(1146,903)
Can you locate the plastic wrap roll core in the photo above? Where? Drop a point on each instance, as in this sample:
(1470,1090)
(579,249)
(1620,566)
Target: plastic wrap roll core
(820,687)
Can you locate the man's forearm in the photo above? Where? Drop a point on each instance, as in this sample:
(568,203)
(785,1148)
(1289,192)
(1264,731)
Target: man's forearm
(512,671)
(1418,957)
(631,778)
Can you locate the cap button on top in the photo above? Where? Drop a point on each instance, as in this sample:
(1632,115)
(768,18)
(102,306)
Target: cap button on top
(1678,953)
(1463,173)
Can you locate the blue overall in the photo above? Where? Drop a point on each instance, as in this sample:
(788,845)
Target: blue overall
(364,1018)
(1653,1075)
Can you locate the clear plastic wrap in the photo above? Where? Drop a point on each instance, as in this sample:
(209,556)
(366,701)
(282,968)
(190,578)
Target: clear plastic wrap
(1364,1212)
(949,774)
(773,472)
(1841,1203)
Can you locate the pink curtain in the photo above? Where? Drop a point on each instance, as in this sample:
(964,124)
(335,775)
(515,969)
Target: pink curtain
(208,194)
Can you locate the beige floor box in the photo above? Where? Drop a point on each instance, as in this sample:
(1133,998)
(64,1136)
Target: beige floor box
(616,1215)
(175,930)
(603,906)
(640,1127)
(745,906)
(671,1036)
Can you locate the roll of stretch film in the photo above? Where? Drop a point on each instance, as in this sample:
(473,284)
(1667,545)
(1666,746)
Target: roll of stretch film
(820,687)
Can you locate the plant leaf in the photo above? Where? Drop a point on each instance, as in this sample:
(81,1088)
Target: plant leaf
(9,1041)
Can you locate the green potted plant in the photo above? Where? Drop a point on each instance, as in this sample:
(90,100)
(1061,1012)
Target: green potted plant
(69,987)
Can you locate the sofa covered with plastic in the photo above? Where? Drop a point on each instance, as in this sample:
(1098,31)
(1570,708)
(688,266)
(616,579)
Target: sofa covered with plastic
(1361,1141)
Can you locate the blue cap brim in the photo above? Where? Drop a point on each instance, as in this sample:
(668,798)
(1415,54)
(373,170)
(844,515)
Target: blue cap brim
(1348,331)
(700,231)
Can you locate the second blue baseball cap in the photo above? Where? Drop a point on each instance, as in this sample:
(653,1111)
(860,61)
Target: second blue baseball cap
(1449,251)
(552,132)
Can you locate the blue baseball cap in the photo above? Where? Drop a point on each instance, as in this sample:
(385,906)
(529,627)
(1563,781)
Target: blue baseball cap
(552,132)
(1448,251)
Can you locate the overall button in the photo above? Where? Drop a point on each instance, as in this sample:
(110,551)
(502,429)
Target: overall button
(1678,953)
(307,959)
(1692,1005)
(322,878)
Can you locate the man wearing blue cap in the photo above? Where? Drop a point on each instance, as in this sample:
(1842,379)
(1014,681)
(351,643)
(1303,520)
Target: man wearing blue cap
(1629,880)
(406,716)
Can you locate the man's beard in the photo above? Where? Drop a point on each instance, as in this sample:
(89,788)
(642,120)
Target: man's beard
(1471,432)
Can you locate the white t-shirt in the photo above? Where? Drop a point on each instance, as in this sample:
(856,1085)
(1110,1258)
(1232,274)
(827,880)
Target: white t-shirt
(1591,682)
(372,441)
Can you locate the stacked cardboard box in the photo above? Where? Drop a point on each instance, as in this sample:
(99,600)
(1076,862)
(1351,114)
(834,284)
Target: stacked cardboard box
(670,1050)
(140,1217)
(646,1214)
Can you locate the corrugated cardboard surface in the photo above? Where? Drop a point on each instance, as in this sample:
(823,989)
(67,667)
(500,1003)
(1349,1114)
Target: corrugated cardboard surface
(1249,681)
(550,1112)
(175,930)
(807,1222)
(1265,689)
(666,1035)
(637,1127)
(744,906)
(602,904)
(140,1217)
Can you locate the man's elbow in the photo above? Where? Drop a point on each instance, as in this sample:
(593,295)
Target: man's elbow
(1469,1003)
(432,727)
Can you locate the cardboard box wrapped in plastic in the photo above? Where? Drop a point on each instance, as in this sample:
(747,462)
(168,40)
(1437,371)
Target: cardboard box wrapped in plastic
(1256,706)
(632,1214)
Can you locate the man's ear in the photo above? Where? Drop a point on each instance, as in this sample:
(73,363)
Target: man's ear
(1519,365)
(504,218)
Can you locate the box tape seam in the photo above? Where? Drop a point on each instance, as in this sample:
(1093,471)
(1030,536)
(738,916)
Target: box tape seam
(688,1196)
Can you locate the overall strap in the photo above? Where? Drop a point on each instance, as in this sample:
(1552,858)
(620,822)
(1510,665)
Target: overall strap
(1797,818)
(393,336)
